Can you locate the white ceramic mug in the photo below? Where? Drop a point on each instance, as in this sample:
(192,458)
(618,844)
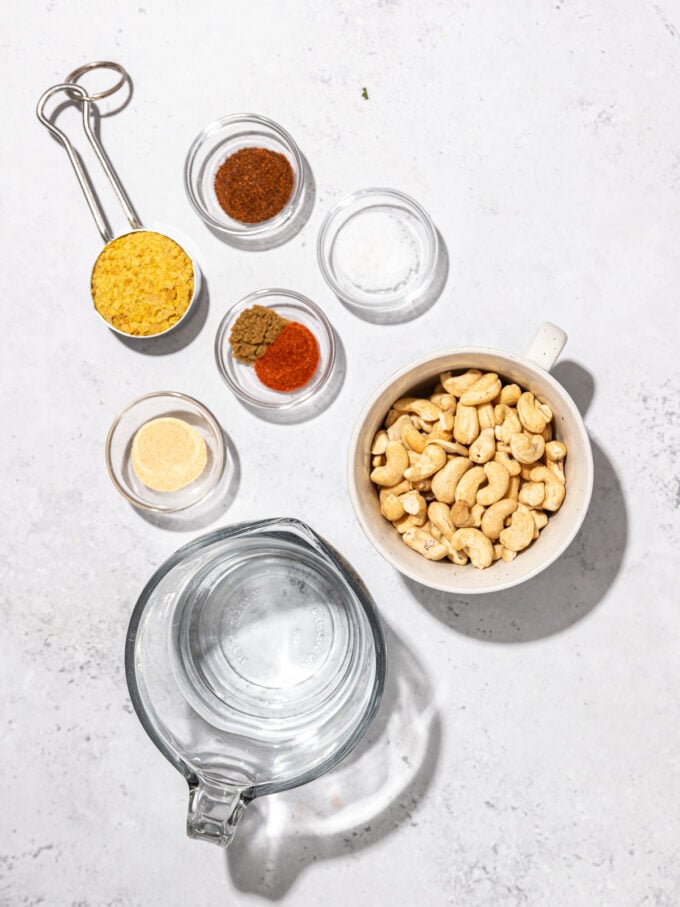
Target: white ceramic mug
(531,372)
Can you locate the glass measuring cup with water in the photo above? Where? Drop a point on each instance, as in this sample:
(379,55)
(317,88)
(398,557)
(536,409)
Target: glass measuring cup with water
(255,660)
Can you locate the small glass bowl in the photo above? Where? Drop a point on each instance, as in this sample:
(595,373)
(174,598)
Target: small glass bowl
(241,378)
(119,446)
(212,147)
(376,281)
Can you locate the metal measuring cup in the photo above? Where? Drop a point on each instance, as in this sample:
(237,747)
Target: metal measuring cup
(87,102)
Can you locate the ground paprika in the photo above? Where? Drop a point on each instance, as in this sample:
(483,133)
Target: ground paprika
(291,360)
(254,184)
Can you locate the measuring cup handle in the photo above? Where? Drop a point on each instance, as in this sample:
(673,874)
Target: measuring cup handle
(546,345)
(214,811)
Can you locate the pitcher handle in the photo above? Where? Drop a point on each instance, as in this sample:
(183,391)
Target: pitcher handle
(214,811)
(546,345)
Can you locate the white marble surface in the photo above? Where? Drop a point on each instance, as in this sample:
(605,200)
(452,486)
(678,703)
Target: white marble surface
(528,751)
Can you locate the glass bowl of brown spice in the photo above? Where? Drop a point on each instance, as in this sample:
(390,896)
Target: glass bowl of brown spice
(245,177)
(275,350)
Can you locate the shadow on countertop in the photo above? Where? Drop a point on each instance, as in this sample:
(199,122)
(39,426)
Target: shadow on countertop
(574,585)
(370,794)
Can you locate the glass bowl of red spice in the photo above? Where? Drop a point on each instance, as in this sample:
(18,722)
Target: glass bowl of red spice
(295,366)
(245,177)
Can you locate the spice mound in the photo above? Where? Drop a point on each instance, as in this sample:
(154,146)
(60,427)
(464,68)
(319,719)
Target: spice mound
(254,184)
(168,454)
(285,353)
(254,330)
(142,283)
(291,360)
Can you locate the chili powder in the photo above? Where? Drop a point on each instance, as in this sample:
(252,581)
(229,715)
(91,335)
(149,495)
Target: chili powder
(291,360)
(254,184)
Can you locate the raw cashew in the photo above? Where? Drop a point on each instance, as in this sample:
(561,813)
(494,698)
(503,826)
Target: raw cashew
(476,545)
(458,384)
(526,448)
(474,515)
(458,557)
(423,408)
(440,516)
(543,474)
(396,490)
(547,432)
(482,391)
(425,544)
(431,460)
(495,516)
(533,415)
(460,514)
(532,494)
(555,450)
(391,418)
(451,447)
(510,394)
(395,429)
(554,496)
(556,467)
(437,433)
(380,442)
(507,422)
(525,472)
(540,518)
(413,456)
(466,424)
(468,485)
(392,508)
(497,551)
(411,437)
(434,532)
(408,521)
(511,465)
(520,533)
(513,488)
(445,422)
(394,468)
(507,555)
(483,449)
(445,482)
(414,503)
(423,485)
(498,481)
(378,460)
(445,402)
(486,416)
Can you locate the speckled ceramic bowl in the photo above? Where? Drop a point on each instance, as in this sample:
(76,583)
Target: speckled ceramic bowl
(531,372)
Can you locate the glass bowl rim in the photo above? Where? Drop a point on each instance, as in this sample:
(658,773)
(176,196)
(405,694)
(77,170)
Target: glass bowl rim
(220,451)
(257,297)
(339,208)
(247,230)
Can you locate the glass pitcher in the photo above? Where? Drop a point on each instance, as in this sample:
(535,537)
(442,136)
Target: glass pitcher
(255,661)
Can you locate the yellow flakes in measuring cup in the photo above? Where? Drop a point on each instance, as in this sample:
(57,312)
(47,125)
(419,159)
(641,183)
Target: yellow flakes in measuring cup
(168,453)
(142,283)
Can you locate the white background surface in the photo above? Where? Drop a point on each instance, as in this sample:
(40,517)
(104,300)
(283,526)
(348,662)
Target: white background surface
(528,751)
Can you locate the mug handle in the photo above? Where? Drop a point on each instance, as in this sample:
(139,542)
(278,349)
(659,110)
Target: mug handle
(546,345)
(214,811)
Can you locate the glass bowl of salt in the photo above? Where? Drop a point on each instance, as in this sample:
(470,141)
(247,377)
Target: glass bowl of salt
(378,251)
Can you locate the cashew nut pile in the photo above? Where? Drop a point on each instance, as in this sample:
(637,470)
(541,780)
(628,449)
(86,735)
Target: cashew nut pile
(470,473)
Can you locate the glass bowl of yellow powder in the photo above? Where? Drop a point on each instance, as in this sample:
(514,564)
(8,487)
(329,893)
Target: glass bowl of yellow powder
(165,452)
(144,284)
